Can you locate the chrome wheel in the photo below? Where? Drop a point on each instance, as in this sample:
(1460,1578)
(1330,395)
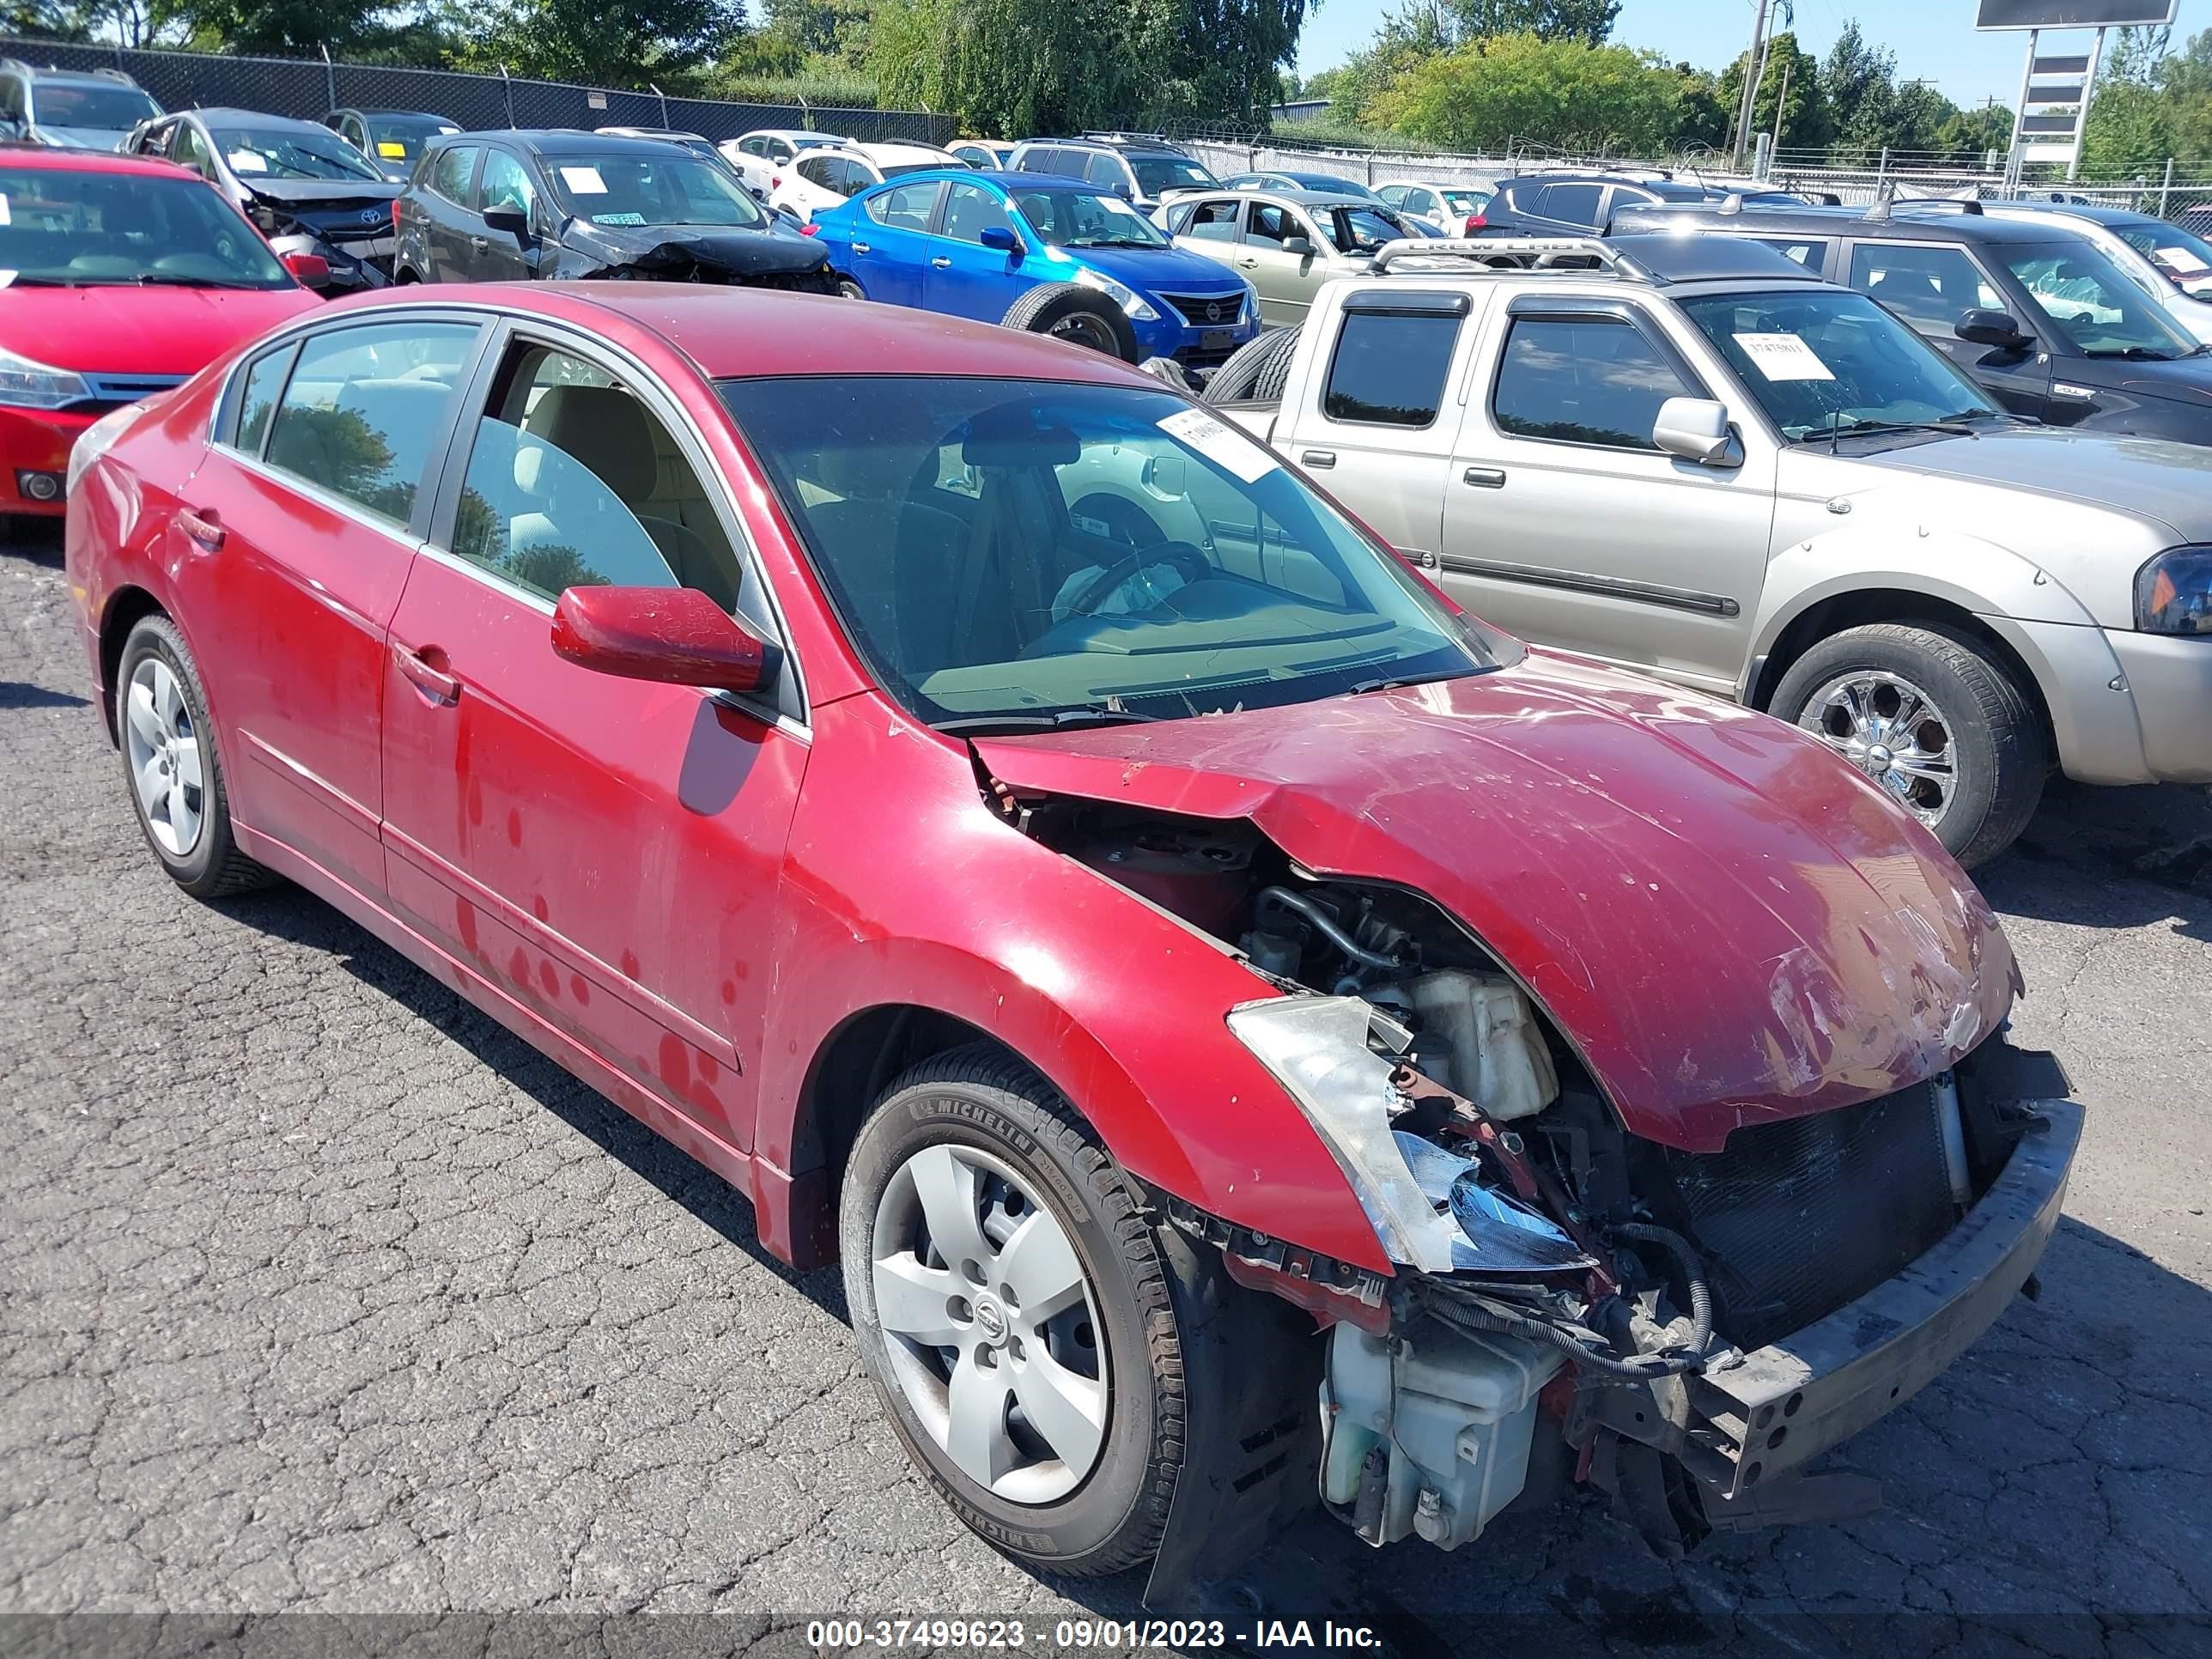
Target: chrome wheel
(990,1324)
(1084,330)
(164,750)
(1891,731)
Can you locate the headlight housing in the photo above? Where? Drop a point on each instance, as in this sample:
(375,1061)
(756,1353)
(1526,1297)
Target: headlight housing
(2173,593)
(96,440)
(1121,293)
(27,385)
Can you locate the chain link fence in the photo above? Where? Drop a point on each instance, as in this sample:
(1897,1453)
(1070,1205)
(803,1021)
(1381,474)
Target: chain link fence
(307,88)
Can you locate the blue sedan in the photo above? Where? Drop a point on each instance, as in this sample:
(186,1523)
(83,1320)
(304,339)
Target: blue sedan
(1053,255)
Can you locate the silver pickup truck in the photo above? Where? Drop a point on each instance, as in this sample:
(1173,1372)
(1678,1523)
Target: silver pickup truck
(1688,455)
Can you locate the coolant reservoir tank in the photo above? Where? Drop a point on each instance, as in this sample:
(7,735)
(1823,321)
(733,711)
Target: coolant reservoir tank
(1499,1059)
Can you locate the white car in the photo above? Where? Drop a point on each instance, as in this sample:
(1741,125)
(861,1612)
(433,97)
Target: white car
(1454,208)
(2171,264)
(823,178)
(762,156)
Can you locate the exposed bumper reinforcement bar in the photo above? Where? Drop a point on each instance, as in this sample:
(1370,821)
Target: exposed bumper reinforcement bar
(1791,1401)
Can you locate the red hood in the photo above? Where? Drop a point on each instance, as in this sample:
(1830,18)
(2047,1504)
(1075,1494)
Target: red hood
(140,331)
(1729,923)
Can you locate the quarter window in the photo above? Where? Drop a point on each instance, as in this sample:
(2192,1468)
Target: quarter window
(1812,255)
(574,483)
(1931,288)
(1390,370)
(263,382)
(1582,382)
(364,407)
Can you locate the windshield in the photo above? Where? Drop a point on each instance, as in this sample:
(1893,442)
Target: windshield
(1468,201)
(61,226)
(290,152)
(1025,550)
(2087,299)
(108,109)
(1334,185)
(674,188)
(1158,173)
(399,137)
(1360,229)
(1826,360)
(2182,256)
(1083,218)
(900,169)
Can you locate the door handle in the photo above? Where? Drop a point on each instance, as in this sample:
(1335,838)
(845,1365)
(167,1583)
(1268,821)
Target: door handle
(861,247)
(427,677)
(940,264)
(1248,264)
(1485,478)
(201,527)
(1319,458)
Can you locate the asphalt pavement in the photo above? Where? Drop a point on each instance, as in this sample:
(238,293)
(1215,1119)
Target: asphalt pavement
(320,1292)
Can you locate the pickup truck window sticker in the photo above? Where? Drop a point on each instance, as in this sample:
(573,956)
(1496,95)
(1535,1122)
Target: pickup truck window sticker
(1784,358)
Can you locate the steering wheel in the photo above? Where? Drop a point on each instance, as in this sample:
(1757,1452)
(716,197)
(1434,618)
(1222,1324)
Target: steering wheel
(1191,564)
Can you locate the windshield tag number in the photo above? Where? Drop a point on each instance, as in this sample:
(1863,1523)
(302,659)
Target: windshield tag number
(1784,358)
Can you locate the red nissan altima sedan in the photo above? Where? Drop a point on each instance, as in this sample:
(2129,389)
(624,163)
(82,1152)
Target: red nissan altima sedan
(1254,1034)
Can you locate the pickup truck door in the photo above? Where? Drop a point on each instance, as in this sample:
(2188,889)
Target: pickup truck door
(1378,415)
(1564,524)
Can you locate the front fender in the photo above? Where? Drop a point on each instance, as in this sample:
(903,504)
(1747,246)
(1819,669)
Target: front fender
(1120,1006)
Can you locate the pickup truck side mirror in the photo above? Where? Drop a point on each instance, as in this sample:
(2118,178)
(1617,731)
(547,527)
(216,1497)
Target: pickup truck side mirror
(1000,238)
(1697,429)
(1993,328)
(1300,246)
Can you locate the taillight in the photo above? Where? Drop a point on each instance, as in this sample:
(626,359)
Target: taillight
(776,181)
(1474,222)
(808,229)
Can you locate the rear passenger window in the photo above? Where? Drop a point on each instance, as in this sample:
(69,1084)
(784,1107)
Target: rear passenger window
(449,174)
(1214,221)
(907,208)
(1582,383)
(364,407)
(1103,169)
(1575,203)
(263,382)
(1389,369)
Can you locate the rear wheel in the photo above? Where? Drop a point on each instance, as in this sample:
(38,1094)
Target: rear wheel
(1013,1308)
(1933,716)
(1078,315)
(170,763)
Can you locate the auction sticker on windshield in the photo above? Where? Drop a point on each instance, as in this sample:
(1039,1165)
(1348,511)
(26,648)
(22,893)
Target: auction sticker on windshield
(1224,445)
(1784,358)
(247,161)
(585,181)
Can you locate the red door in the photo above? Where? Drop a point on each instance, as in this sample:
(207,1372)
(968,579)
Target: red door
(604,851)
(302,556)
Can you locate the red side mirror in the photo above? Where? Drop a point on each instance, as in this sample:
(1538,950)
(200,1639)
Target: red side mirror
(674,634)
(309,269)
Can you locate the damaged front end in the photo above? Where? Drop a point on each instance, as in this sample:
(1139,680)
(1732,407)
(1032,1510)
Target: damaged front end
(1683,1328)
(769,258)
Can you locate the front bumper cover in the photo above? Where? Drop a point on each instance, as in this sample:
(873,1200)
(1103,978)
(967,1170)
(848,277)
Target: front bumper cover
(1791,1401)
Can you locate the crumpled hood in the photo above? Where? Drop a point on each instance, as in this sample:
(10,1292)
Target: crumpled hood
(1729,924)
(769,252)
(312,193)
(2146,477)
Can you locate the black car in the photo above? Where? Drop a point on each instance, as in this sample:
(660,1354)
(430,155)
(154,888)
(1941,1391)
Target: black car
(392,139)
(2036,313)
(304,187)
(503,206)
(1577,203)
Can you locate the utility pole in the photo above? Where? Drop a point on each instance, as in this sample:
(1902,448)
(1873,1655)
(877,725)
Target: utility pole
(1752,70)
(1783,103)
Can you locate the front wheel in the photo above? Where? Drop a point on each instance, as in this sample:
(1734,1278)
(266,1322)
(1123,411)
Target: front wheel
(1932,715)
(849,289)
(1077,314)
(1013,1308)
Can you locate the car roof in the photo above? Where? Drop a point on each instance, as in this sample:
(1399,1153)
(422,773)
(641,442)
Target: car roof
(564,141)
(2095,212)
(413,114)
(224,117)
(731,332)
(1673,259)
(808,133)
(1906,226)
(71,77)
(1301,197)
(43,158)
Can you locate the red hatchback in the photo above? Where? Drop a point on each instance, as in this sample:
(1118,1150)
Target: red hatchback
(119,278)
(1252,1033)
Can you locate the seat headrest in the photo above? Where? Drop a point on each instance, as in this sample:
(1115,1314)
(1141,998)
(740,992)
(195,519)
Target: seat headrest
(603,427)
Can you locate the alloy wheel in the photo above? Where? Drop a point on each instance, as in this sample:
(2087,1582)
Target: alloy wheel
(164,750)
(990,1324)
(1893,731)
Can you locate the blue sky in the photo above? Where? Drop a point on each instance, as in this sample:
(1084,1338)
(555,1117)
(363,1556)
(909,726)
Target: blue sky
(1933,38)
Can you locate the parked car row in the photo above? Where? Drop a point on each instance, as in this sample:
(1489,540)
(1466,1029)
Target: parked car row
(1254,1035)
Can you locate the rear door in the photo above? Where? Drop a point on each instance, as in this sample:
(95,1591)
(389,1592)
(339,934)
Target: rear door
(1929,286)
(603,852)
(319,483)
(891,251)
(452,225)
(965,278)
(1564,523)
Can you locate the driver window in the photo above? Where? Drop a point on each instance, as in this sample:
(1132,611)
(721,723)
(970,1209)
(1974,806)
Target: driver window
(1582,383)
(1930,288)
(506,184)
(1272,224)
(573,482)
(189,151)
(970,209)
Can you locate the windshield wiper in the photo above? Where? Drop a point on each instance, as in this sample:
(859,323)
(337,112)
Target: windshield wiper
(171,279)
(1950,427)
(1110,242)
(1392,681)
(1061,719)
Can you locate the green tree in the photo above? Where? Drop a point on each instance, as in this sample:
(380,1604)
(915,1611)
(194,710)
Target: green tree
(1793,81)
(1701,120)
(250,26)
(1559,93)
(632,43)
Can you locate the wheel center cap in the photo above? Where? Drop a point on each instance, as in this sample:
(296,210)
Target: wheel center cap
(990,1319)
(1879,756)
